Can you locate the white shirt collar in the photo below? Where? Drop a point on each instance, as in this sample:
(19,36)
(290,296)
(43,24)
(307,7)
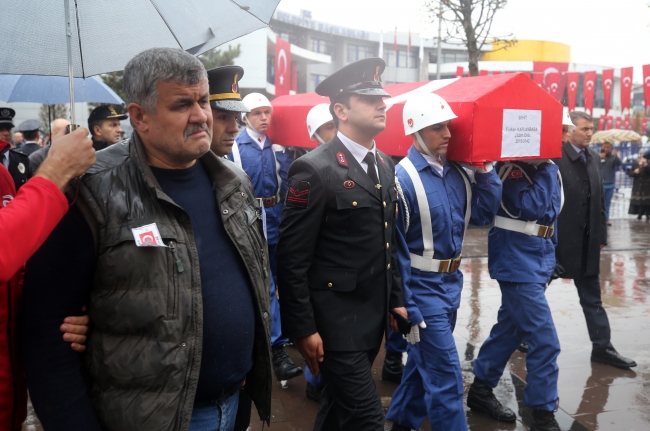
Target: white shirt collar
(260,138)
(433,162)
(5,159)
(578,149)
(358,151)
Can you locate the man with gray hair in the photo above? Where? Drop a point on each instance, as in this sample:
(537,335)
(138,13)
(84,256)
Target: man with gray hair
(165,244)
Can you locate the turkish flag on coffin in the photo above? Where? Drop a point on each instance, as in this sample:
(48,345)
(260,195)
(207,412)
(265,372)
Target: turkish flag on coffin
(282,67)
(500,117)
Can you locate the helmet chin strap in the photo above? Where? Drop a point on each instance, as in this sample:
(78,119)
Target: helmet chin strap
(423,146)
(319,139)
(249,125)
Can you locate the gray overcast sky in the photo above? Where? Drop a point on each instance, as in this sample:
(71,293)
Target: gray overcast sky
(600,32)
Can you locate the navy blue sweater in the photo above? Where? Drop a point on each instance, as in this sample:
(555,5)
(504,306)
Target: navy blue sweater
(59,278)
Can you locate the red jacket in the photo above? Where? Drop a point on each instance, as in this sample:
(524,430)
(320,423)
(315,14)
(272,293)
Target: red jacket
(26,220)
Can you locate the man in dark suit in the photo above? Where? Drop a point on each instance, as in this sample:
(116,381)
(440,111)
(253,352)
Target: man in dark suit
(14,160)
(582,233)
(336,258)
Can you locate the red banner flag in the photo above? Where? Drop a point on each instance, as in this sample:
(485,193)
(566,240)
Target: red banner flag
(282,67)
(610,122)
(460,70)
(646,86)
(626,87)
(538,78)
(552,83)
(572,89)
(627,123)
(601,123)
(608,83)
(589,90)
(395,41)
(482,72)
(644,125)
(618,122)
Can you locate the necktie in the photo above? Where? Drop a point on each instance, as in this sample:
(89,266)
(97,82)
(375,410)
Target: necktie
(372,171)
(583,156)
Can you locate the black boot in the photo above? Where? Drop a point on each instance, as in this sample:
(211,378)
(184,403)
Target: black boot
(523,347)
(393,367)
(283,366)
(398,427)
(481,399)
(312,393)
(544,421)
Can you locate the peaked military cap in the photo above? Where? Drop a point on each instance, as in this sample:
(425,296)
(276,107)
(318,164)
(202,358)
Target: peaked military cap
(361,77)
(105,112)
(7,117)
(224,88)
(29,126)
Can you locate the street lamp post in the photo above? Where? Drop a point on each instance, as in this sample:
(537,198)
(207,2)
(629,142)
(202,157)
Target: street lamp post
(439,57)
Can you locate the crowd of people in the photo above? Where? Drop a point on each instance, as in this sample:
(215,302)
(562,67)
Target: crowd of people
(199,250)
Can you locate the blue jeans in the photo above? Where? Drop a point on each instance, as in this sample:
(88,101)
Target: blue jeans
(608,190)
(215,415)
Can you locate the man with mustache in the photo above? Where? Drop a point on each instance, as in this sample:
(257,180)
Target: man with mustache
(337,271)
(267,165)
(165,245)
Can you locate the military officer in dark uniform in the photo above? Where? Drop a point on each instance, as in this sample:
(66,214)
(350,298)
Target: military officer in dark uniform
(104,126)
(31,131)
(336,257)
(16,162)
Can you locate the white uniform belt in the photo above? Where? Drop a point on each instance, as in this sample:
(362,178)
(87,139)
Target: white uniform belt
(269,202)
(435,265)
(530,228)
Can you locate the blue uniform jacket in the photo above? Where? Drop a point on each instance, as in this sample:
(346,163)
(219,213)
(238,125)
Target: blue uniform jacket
(432,293)
(261,167)
(517,257)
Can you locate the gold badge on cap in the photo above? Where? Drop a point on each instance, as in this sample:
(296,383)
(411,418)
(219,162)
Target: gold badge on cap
(376,77)
(113,111)
(235,87)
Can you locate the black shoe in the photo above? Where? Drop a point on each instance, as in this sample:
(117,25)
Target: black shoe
(283,366)
(393,367)
(639,216)
(544,421)
(611,357)
(312,393)
(481,399)
(523,347)
(398,427)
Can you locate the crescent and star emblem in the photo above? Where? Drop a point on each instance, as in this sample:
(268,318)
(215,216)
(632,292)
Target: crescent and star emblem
(282,65)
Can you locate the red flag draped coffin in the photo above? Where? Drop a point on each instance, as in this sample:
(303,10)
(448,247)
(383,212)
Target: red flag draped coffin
(478,133)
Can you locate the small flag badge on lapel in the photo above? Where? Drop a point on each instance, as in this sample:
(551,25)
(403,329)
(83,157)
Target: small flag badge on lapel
(348,184)
(340,157)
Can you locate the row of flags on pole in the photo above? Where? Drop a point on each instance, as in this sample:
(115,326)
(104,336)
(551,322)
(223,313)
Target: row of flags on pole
(607,122)
(557,82)
(395,47)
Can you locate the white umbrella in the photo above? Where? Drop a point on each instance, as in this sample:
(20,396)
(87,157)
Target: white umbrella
(82,38)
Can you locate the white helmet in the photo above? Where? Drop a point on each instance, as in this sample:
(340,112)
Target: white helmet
(566,119)
(424,110)
(255,100)
(317,116)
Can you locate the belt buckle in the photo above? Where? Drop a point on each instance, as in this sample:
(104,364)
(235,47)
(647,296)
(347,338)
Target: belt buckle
(444,265)
(456,264)
(545,231)
(269,202)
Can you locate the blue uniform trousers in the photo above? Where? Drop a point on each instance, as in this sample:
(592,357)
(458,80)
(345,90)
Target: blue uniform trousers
(277,339)
(433,383)
(524,314)
(395,342)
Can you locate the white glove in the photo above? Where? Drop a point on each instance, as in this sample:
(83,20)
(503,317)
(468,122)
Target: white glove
(414,336)
(484,169)
(537,162)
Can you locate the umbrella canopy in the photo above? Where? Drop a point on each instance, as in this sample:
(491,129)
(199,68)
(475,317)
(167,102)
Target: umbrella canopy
(51,90)
(615,135)
(105,35)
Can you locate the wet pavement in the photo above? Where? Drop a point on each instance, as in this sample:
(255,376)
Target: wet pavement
(592,396)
